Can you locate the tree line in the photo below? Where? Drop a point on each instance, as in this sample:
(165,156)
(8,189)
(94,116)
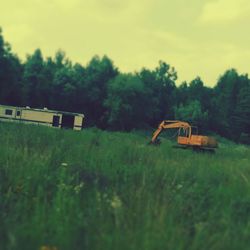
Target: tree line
(114,100)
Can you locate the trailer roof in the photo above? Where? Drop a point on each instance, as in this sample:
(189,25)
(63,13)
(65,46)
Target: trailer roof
(44,110)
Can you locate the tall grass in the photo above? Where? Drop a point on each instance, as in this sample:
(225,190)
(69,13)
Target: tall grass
(102,190)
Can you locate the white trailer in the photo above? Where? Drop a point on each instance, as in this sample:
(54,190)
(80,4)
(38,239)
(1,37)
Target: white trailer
(51,118)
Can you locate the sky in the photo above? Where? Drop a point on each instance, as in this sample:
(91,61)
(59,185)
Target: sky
(198,37)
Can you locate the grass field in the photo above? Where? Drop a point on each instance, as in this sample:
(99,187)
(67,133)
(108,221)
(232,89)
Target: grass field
(101,190)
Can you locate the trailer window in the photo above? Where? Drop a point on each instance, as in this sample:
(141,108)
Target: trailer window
(8,111)
(18,113)
(56,120)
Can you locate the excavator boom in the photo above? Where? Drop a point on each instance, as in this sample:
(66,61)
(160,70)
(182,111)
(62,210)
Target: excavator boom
(168,124)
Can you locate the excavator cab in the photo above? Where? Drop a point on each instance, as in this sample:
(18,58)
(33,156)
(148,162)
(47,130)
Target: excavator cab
(185,132)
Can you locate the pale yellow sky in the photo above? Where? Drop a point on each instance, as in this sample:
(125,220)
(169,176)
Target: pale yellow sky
(197,37)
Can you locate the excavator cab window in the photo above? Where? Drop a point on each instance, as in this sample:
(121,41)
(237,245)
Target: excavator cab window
(183,132)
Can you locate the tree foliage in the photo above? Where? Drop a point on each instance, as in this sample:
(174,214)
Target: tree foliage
(159,91)
(10,75)
(126,94)
(193,113)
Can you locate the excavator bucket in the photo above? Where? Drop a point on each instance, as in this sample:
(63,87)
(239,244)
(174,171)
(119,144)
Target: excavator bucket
(156,142)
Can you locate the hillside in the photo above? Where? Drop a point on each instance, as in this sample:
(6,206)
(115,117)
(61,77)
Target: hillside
(103,190)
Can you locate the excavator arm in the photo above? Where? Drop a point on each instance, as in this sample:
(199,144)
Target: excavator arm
(168,124)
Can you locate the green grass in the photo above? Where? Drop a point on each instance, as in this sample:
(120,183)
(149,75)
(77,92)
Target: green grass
(101,190)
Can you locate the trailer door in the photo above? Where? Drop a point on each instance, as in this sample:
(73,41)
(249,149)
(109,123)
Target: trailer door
(68,121)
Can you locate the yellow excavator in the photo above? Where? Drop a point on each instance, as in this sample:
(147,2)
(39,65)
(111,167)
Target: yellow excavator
(185,137)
